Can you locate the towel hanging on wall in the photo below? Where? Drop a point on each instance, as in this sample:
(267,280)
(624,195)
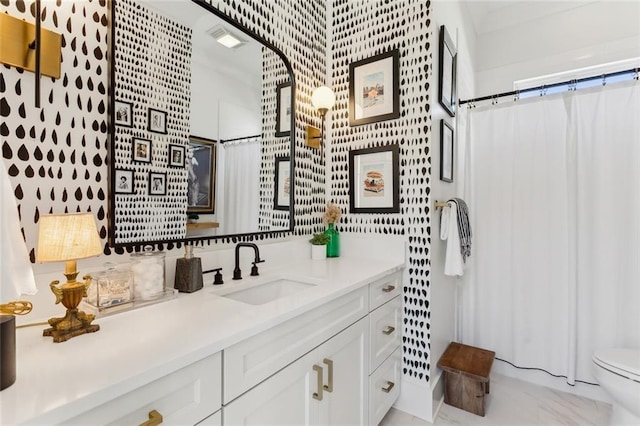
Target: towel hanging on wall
(455,228)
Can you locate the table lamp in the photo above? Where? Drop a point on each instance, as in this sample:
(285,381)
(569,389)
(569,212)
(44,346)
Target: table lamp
(66,238)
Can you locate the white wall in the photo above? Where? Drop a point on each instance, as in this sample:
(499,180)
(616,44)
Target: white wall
(590,34)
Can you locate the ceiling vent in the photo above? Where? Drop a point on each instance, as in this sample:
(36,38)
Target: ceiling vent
(226,37)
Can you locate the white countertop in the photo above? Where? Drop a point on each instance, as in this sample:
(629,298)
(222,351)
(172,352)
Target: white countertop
(137,347)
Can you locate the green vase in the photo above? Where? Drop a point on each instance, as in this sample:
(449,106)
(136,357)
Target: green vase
(333,247)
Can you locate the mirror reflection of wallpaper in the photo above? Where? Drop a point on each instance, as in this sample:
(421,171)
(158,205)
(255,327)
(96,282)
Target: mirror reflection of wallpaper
(153,72)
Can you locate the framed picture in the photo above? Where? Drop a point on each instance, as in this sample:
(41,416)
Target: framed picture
(374,180)
(123,113)
(157,183)
(282,198)
(448,59)
(374,89)
(141,150)
(446,151)
(157,121)
(176,155)
(201,179)
(283,111)
(123,181)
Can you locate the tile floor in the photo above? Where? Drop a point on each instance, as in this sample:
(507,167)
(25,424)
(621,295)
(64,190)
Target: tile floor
(514,402)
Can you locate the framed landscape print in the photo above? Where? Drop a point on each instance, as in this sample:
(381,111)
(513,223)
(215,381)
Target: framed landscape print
(374,180)
(446,152)
(448,63)
(123,181)
(283,114)
(157,121)
(374,89)
(282,197)
(141,150)
(201,177)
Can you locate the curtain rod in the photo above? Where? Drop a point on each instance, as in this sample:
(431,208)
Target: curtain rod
(240,139)
(547,86)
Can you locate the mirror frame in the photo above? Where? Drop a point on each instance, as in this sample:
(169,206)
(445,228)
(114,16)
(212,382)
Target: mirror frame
(111,127)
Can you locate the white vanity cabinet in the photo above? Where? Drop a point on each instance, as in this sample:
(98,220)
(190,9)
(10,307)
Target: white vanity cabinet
(327,386)
(186,396)
(385,322)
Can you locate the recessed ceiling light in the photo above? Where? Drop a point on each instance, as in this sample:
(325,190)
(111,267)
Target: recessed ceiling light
(226,37)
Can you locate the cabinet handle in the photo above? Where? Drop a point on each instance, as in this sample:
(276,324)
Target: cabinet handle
(389,330)
(155,419)
(388,289)
(387,389)
(318,395)
(329,386)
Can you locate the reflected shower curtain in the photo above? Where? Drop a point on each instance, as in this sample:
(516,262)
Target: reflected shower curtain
(553,185)
(240,195)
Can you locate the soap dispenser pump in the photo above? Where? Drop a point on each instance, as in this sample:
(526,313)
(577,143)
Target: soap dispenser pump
(188,272)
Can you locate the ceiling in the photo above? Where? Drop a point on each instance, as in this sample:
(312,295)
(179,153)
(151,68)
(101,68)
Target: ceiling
(490,16)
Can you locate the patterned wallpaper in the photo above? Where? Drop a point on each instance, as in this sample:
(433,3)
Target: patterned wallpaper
(361,29)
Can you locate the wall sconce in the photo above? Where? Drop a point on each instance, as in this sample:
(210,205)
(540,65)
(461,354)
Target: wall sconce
(66,238)
(27,46)
(322,99)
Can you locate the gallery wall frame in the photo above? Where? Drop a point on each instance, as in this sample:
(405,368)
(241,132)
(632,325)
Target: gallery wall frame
(157,183)
(201,176)
(176,156)
(124,181)
(447,90)
(282,193)
(374,180)
(141,150)
(283,109)
(157,121)
(374,92)
(123,113)
(447,146)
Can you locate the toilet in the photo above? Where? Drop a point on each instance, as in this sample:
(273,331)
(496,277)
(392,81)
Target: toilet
(618,372)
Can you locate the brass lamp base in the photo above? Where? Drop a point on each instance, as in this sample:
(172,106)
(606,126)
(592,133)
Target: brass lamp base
(75,322)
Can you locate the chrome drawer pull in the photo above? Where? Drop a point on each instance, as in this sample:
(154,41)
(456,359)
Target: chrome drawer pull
(155,418)
(329,386)
(389,330)
(388,388)
(318,395)
(388,289)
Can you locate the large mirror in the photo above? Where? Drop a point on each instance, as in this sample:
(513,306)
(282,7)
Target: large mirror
(198,128)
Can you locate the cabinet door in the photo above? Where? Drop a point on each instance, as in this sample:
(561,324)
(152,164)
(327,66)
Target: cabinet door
(345,362)
(283,399)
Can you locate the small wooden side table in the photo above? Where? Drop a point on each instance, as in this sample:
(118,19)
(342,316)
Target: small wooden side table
(466,376)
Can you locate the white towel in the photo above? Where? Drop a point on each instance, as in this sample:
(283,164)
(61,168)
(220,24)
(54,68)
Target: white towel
(449,231)
(17,274)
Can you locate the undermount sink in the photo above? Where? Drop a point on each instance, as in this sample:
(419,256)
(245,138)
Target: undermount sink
(268,291)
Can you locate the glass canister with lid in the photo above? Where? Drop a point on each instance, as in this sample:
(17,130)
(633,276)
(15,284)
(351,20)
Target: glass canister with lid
(111,287)
(148,274)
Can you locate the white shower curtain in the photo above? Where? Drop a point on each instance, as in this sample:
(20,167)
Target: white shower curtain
(240,187)
(553,185)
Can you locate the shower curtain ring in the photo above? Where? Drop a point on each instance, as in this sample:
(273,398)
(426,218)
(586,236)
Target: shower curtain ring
(604,80)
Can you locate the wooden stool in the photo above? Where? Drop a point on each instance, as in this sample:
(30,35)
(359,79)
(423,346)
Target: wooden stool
(466,376)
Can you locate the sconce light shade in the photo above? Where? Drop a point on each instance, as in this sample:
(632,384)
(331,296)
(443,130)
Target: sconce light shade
(323,99)
(64,237)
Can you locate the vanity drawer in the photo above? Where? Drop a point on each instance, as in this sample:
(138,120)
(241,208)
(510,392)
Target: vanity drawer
(384,387)
(385,327)
(384,289)
(251,361)
(186,396)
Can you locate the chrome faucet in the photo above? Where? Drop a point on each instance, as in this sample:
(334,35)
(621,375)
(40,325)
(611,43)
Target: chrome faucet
(237,273)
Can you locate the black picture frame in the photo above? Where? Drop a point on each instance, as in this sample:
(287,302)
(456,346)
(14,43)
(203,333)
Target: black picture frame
(157,121)
(283,109)
(201,176)
(369,103)
(157,183)
(282,192)
(141,150)
(447,147)
(447,90)
(124,181)
(176,156)
(122,113)
(374,180)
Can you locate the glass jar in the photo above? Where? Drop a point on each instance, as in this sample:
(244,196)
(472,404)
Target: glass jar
(148,274)
(111,287)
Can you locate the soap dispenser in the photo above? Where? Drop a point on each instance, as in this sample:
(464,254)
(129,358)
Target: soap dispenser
(188,272)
